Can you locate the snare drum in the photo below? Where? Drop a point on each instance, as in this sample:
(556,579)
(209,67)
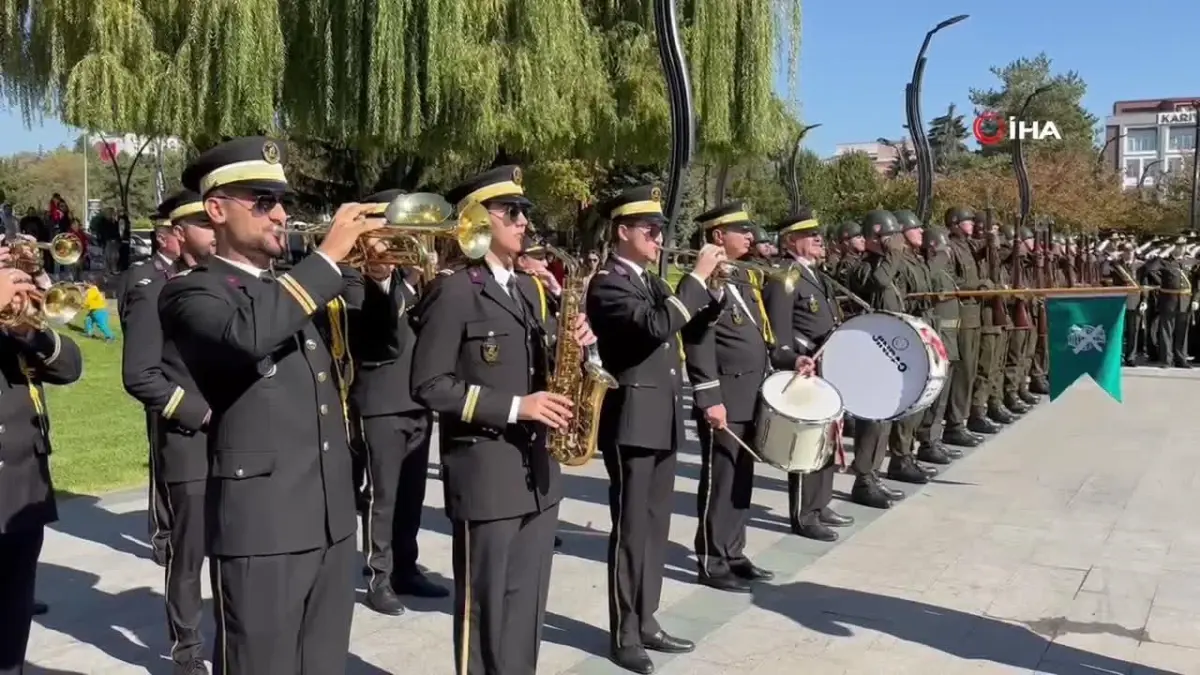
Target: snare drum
(796,424)
(886,366)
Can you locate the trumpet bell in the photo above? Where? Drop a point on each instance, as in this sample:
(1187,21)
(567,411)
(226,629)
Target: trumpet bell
(418,208)
(62,303)
(473,232)
(66,249)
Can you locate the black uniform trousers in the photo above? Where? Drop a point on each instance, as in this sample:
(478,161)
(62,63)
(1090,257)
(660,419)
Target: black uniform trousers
(1172,337)
(723,500)
(398,459)
(870,445)
(640,493)
(263,602)
(185,560)
(501,584)
(809,493)
(19,553)
(157,510)
(1132,336)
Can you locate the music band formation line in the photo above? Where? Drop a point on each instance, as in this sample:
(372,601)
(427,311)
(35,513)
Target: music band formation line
(257,382)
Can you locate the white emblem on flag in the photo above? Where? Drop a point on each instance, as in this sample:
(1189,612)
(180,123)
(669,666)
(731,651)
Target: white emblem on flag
(1082,338)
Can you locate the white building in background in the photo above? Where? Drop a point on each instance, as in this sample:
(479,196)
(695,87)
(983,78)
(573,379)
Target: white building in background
(882,155)
(131,143)
(1145,139)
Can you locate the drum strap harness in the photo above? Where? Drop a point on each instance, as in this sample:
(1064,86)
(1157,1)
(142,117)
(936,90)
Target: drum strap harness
(756,283)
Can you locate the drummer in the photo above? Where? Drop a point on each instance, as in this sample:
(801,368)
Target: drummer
(726,363)
(802,317)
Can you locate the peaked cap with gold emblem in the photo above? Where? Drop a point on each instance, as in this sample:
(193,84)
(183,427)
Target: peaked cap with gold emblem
(638,203)
(179,206)
(501,185)
(803,221)
(732,214)
(252,162)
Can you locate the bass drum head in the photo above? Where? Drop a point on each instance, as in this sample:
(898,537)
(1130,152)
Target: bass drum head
(879,364)
(808,399)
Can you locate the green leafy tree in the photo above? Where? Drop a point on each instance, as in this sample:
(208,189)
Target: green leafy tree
(948,140)
(1060,100)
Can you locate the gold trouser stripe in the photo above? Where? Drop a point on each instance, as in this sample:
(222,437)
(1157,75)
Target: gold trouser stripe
(678,304)
(614,583)
(298,293)
(464,650)
(469,403)
(173,403)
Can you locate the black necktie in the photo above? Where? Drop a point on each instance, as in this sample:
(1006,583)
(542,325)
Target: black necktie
(515,294)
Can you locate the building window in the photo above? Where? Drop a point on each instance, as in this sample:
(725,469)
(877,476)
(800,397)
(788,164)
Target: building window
(1141,140)
(1133,169)
(1181,138)
(1174,164)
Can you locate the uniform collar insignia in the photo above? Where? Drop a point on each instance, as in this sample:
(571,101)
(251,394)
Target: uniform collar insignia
(476,275)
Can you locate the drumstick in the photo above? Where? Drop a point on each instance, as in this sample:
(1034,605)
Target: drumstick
(798,375)
(743,444)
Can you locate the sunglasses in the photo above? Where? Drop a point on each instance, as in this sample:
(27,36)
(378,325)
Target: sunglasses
(511,211)
(262,203)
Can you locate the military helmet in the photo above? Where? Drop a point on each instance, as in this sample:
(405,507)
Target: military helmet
(908,220)
(935,239)
(879,223)
(1026,233)
(849,230)
(957,214)
(1007,232)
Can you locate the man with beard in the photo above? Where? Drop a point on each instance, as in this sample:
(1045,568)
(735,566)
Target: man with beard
(153,373)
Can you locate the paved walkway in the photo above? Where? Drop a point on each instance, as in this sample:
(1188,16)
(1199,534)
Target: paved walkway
(1068,544)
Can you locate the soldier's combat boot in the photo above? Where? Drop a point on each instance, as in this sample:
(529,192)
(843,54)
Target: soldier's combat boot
(997,413)
(960,436)
(933,453)
(906,470)
(1016,405)
(891,492)
(980,424)
(867,491)
(1039,386)
(1029,397)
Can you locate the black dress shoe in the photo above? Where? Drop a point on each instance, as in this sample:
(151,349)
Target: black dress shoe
(811,528)
(1029,397)
(1184,365)
(419,586)
(729,582)
(557,541)
(960,436)
(933,453)
(869,492)
(982,425)
(40,608)
(751,572)
(383,599)
(891,492)
(928,470)
(664,642)
(1000,415)
(832,518)
(906,470)
(633,659)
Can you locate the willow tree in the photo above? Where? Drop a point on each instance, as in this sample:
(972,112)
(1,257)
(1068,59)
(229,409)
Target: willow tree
(443,85)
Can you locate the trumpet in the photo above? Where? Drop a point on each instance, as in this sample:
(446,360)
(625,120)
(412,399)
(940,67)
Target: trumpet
(723,273)
(414,222)
(55,306)
(65,249)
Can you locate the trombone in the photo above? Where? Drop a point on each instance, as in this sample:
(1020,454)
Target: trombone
(414,222)
(55,306)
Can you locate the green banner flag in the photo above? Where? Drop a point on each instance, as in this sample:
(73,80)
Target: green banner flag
(1084,338)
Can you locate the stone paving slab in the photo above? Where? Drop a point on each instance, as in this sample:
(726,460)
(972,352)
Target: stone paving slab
(1067,544)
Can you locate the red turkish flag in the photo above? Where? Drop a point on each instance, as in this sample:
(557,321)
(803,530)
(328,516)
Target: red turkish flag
(107,151)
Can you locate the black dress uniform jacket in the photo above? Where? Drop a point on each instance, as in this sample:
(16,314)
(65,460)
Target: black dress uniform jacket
(473,358)
(802,320)
(280,476)
(26,494)
(636,325)
(727,361)
(154,373)
(157,267)
(382,341)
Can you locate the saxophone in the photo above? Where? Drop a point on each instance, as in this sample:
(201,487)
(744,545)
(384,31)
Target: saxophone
(585,384)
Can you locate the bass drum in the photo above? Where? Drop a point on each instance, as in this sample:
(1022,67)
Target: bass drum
(886,366)
(797,422)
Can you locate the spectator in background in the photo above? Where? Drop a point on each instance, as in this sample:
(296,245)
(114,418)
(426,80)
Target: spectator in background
(31,224)
(97,313)
(76,271)
(108,236)
(58,213)
(11,225)
(126,228)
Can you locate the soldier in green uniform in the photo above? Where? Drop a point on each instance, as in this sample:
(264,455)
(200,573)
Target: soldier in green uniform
(1120,271)
(880,281)
(903,465)
(1022,339)
(1176,303)
(964,255)
(853,246)
(994,320)
(930,432)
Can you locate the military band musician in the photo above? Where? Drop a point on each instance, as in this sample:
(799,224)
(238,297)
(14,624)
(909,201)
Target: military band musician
(638,322)
(263,350)
(482,358)
(154,373)
(726,364)
(802,319)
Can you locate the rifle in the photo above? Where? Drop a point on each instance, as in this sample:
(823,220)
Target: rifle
(999,310)
(1021,314)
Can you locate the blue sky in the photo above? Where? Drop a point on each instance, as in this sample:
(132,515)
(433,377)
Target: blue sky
(858,54)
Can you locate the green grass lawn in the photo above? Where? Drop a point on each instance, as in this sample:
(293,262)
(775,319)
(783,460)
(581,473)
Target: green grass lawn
(97,430)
